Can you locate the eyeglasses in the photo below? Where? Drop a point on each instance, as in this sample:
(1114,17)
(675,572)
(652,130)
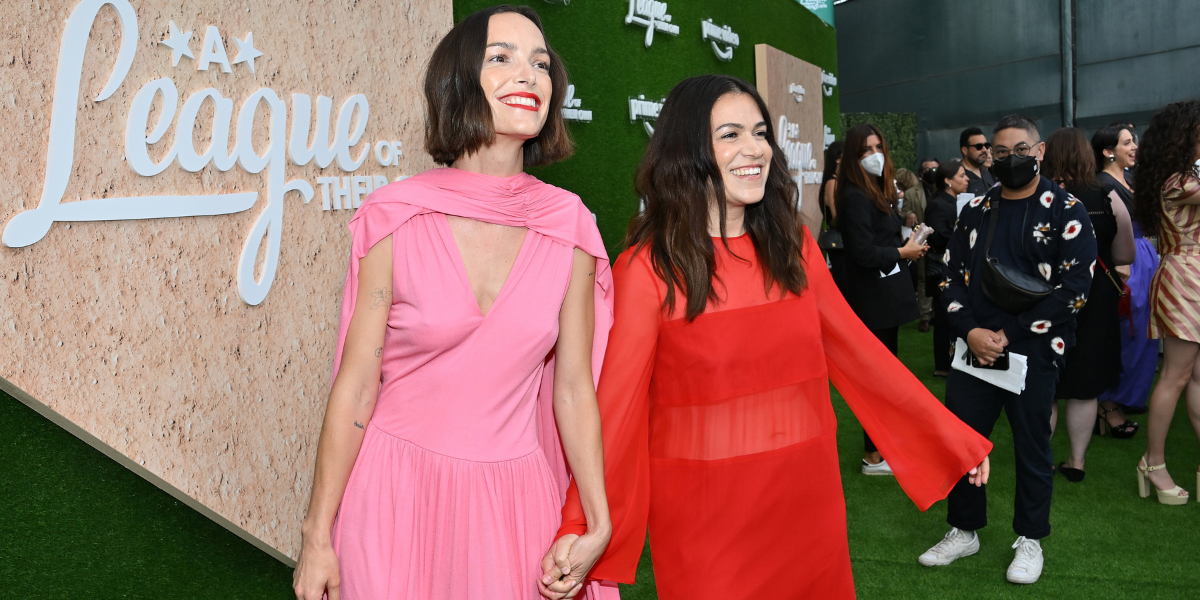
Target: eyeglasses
(1002,152)
(980,147)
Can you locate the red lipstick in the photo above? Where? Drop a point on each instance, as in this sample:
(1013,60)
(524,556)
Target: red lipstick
(536,101)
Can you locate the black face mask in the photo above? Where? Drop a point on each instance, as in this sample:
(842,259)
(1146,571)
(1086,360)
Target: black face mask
(927,177)
(1015,172)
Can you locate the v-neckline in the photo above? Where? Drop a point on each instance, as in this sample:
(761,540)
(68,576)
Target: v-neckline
(466,278)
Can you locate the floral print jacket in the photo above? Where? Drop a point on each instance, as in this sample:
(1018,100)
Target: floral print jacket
(1062,246)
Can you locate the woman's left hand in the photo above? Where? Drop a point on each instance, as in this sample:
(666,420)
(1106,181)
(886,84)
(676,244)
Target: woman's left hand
(567,563)
(978,475)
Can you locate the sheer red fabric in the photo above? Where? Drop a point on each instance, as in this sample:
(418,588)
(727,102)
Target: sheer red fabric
(719,434)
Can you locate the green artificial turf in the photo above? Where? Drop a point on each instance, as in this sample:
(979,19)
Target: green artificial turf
(75,524)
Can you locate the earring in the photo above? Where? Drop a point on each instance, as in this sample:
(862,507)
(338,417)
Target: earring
(1112,158)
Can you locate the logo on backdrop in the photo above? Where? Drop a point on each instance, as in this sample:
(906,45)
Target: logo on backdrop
(799,154)
(652,15)
(723,34)
(32,225)
(828,81)
(646,110)
(797,91)
(571,110)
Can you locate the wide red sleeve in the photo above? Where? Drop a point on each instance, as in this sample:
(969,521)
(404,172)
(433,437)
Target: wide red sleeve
(623,396)
(928,448)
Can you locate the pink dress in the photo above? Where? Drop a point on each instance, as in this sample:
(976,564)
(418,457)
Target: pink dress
(457,490)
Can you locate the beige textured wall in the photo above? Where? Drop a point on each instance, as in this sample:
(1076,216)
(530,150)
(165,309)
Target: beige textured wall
(134,330)
(775,71)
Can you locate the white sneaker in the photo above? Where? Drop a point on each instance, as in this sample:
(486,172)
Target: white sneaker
(879,468)
(1026,566)
(955,545)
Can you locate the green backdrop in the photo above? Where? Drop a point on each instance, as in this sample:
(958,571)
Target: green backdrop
(609,63)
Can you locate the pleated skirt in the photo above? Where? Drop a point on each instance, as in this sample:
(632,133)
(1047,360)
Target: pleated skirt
(417,525)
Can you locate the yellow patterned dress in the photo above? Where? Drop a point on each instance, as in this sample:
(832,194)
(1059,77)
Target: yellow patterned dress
(1175,290)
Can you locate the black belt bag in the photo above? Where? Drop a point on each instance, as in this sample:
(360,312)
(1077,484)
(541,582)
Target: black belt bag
(1011,290)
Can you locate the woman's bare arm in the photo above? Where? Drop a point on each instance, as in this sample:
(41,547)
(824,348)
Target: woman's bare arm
(831,197)
(351,402)
(1124,250)
(578,419)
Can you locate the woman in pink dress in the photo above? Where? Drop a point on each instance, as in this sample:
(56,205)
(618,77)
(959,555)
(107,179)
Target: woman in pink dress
(474,318)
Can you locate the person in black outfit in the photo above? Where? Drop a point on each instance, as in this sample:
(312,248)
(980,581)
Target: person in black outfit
(828,191)
(1035,230)
(872,272)
(940,215)
(1115,151)
(1094,363)
(976,159)
(927,171)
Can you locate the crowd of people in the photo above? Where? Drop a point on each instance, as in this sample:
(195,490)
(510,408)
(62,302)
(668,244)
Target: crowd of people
(1040,279)
(511,412)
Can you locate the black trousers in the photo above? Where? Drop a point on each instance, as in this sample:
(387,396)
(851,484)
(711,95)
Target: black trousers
(941,336)
(978,404)
(891,340)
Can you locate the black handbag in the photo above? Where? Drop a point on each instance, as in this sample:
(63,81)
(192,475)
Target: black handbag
(1011,290)
(829,239)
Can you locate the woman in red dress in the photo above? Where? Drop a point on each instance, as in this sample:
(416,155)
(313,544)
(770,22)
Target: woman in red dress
(714,397)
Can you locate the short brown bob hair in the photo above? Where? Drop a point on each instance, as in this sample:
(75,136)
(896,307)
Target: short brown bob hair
(1069,160)
(459,119)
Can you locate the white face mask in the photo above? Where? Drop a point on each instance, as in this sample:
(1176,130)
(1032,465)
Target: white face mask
(873,163)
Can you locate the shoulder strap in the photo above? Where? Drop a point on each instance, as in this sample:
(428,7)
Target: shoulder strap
(991,233)
(1107,271)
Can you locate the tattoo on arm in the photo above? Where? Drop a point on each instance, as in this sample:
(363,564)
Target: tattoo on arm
(378,352)
(358,425)
(381,297)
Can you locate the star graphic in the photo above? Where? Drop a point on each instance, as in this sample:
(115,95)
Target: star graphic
(178,43)
(246,51)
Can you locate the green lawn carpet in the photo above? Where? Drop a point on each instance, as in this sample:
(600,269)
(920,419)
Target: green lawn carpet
(75,524)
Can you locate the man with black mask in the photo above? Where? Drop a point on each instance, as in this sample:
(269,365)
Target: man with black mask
(976,158)
(926,172)
(1019,266)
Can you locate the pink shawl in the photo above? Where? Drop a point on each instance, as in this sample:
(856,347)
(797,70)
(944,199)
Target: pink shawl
(521,200)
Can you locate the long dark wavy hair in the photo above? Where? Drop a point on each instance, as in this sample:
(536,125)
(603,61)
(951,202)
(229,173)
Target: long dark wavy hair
(1168,147)
(880,189)
(679,177)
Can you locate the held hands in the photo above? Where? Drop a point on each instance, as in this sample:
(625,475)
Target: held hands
(1122,272)
(986,345)
(978,475)
(912,220)
(911,250)
(317,571)
(568,562)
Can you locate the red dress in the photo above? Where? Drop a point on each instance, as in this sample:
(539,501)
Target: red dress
(719,433)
